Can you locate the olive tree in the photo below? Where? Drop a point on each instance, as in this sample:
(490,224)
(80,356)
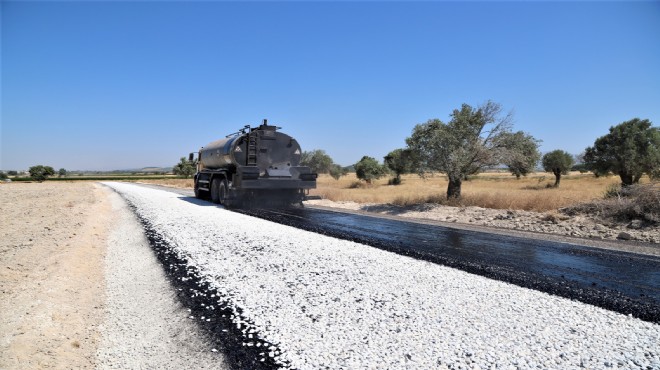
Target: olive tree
(474,139)
(337,171)
(399,161)
(317,160)
(320,162)
(40,173)
(368,169)
(558,162)
(184,168)
(631,149)
(522,153)
(61,172)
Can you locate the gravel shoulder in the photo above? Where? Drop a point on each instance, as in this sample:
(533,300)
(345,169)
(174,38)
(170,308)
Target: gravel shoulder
(145,326)
(81,288)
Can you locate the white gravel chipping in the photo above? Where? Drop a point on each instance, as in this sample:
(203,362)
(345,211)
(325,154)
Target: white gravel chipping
(329,303)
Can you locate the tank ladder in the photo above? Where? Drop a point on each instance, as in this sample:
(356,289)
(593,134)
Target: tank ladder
(252,149)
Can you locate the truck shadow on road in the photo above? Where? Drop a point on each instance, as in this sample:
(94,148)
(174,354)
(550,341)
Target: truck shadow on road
(201,202)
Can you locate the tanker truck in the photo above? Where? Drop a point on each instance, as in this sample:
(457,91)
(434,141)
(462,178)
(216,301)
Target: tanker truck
(253,167)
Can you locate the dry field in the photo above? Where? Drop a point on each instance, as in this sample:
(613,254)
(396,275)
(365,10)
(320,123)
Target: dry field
(51,273)
(487,190)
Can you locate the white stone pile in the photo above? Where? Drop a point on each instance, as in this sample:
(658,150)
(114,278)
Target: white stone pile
(329,303)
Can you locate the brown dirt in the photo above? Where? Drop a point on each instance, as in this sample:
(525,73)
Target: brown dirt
(51,273)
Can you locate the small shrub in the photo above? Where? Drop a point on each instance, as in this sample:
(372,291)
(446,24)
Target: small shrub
(612,191)
(405,201)
(634,202)
(356,185)
(394,181)
(551,217)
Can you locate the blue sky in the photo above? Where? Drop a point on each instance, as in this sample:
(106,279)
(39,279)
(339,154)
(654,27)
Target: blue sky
(116,85)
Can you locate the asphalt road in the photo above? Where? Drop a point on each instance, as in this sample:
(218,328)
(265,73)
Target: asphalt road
(620,281)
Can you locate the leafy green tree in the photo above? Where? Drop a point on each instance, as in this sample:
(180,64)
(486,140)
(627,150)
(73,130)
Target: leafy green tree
(522,153)
(368,169)
(320,162)
(558,162)
(3,176)
(317,160)
(337,171)
(473,140)
(184,168)
(631,149)
(40,173)
(399,161)
(12,173)
(583,168)
(62,172)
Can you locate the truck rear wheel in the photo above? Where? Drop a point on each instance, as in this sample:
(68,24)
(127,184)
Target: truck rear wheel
(219,191)
(215,191)
(222,192)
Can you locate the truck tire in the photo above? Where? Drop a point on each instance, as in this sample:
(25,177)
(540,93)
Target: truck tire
(222,192)
(198,193)
(219,190)
(215,190)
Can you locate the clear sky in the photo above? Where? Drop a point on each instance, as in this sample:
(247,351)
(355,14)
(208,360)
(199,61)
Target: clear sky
(120,85)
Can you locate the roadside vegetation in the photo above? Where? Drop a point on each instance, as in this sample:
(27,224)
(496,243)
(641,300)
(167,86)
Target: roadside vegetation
(93,177)
(638,204)
(559,163)
(40,173)
(474,139)
(476,159)
(498,190)
(488,190)
(320,162)
(185,168)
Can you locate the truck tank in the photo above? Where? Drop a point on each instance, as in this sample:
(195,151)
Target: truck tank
(274,153)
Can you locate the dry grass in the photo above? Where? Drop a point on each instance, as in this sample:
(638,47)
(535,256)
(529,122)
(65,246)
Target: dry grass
(488,190)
